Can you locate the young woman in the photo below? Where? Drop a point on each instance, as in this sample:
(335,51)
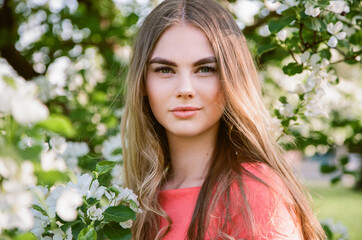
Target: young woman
(196,146)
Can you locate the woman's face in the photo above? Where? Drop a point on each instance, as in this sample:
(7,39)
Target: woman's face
(182,83)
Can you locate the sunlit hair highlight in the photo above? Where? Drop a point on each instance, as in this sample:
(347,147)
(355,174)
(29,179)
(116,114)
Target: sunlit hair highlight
(243,129)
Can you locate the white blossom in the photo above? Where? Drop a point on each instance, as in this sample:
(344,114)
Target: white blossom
(51,200)
(67,203)
(27,177)
(6,95)
(41,222)
(109,146)
(314,107)
(60,235)
(58,144)
(311,10)
(76,149)
(126,224)
(126,194)
(96,191)
(299,89)
(39,193)
(287,110)
(15,206)
(310,83)
(72,162)
(83,183)
(282,35)
(73,151)
(26,142)
(27,109)
(275,127)
(338,6)
(309,59)
(88,187)
(8,167)
(95,213)
(19,99)
(264,31)
(51,161)
(335,31)
(15,200)
(110,196)
(117,175)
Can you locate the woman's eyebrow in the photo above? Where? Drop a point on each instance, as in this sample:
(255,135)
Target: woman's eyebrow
(171,63)
(162,61)
(204,61)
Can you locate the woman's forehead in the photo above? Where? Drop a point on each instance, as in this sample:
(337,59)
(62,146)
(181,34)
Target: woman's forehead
(183,41)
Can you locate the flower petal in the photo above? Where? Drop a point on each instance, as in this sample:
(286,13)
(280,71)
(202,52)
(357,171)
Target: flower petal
(332,42)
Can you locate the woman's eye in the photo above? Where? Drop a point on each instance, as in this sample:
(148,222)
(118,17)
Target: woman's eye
(206,69)
(164,70)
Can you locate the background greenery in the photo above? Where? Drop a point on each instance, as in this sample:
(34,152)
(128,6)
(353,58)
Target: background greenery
(77,52)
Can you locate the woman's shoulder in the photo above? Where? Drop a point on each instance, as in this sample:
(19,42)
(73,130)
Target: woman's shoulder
(269,201)
(261,186)
(261,177)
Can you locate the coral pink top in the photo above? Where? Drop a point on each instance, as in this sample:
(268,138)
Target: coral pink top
(272,219)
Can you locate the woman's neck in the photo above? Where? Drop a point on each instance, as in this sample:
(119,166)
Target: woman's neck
(190,158)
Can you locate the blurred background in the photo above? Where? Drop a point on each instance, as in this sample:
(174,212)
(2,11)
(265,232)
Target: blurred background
(76,52)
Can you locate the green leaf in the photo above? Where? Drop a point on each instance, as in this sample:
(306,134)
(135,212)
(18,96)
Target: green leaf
(132,19)
(25,236)
(328,231)
(277,25)
(59,124)
(9,80)
(50,177)
(38,208)
(325,168)
(119,214)
(283,99)
(31,153)
(265,48)
(99,97)
(335,180)
(293,68)
(114,231)
(67,225)
(356,38)
(114,189)
(315,24)
(133,204)
(285,123)
(117,151)
(325,53)
(344,160)
(77,228)
(92,201)
(87,233)
(105,167)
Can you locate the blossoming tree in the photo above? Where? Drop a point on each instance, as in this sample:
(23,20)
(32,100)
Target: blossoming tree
(61,71)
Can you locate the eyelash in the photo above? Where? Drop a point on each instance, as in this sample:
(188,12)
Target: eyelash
(209,68)
(170,70)
(160,69)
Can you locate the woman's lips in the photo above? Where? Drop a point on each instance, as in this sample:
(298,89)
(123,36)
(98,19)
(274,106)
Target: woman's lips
(185,112)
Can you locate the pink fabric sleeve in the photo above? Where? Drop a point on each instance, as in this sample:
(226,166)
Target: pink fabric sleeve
(272,219)
(271,216)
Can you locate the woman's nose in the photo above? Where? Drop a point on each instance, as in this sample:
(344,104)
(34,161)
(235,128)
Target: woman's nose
(185,88)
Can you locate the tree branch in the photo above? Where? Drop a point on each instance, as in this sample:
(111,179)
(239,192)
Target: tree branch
(7,50)
(250,29)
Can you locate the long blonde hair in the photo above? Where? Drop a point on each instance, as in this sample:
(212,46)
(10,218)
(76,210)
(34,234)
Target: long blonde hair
(243,128)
